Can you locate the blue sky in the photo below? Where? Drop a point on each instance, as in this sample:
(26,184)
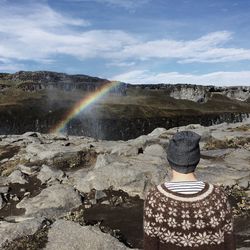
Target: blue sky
(135,41)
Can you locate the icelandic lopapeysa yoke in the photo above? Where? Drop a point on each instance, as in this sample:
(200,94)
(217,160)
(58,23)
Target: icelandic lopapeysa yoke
(200,221)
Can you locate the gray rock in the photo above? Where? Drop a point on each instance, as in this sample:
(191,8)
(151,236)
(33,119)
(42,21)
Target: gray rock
(157,132)
(219,173)
(239,159)
(4,181)
(49,175)
(4,160)
(206,135)
(196,94)
(4,189)
(60,137)
(26,194)
(67,235)
(32,134)
(216,153)
(134,175)
(11,231)
(27,170)
(2,202)
(104,160)
(93,201)
(41,152)
(105,202)
(15,198)
(99,194)
(17,177)
(53,201)
(125,149)
(244,182)
(156,150)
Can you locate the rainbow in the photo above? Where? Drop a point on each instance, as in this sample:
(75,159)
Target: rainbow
(82,105)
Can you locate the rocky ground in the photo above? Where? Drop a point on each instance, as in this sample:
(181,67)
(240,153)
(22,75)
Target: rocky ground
(69,192)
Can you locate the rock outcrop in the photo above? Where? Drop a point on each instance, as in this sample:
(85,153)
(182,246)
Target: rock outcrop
(68,235)
(42,80)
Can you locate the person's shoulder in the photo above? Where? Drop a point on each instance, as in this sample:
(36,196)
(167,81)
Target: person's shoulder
(152,192)
(219,189)
(220,192)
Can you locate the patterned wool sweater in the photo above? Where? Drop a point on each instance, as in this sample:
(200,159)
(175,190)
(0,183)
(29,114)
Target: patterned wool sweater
(201,221)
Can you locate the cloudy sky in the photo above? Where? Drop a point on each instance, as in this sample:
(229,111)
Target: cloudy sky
(135,41)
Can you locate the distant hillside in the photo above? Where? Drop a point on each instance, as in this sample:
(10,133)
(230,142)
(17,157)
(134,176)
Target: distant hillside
(38,100)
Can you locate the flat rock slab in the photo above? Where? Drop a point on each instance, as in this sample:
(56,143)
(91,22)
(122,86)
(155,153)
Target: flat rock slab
(51,202)
(17,177)
(134,175)
(11,231)
(239,159)
(216,153)
(48,174)
(67,235)
(220,173)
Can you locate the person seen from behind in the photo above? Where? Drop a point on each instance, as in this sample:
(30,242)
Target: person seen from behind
(186,213)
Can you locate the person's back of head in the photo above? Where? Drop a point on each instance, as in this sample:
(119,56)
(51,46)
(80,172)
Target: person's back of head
(183,152)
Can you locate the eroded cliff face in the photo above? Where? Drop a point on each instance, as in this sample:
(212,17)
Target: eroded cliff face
(201,94)
(108,129)
(36,101)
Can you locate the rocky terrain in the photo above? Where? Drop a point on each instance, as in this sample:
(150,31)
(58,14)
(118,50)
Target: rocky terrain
(75,192)
(36,101)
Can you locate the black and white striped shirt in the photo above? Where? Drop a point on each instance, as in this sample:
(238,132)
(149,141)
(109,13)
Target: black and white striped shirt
(185,187)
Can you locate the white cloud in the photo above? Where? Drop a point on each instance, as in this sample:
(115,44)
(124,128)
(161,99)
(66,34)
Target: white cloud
(36,32)
(11,67)
(127,4)
(122,64)
(207,49)
(41,35)
(216,78)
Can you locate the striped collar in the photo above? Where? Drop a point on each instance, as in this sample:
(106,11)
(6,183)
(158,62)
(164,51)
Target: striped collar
(207,190)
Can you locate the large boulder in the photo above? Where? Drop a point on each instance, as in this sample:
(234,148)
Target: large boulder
(2,202)
(239,160)
(50,175)
(134,175)
(67,235)
(17,177)
(156,150)
(53,201)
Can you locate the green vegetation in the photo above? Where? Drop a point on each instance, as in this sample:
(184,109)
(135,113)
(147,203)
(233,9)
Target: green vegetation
(137,103)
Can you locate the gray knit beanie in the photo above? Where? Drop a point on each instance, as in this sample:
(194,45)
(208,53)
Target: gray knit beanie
(184,151)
